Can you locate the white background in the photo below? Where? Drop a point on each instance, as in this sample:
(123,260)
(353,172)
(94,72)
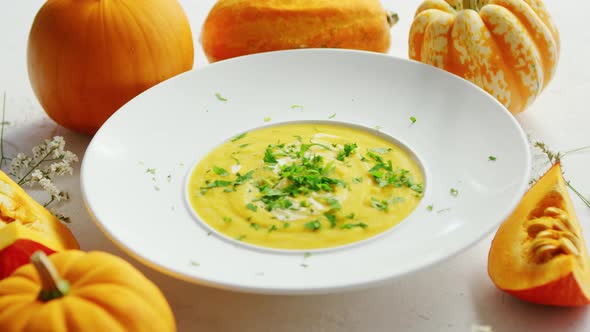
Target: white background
(451,296)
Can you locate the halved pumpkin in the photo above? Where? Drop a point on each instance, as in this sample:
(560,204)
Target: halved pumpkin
(539,254)
(26,226)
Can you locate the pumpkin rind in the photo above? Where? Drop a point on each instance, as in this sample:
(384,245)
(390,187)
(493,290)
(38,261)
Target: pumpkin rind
(106,294)
(17,254)
(564,279)
(510,48)
(239,27)
(87,58)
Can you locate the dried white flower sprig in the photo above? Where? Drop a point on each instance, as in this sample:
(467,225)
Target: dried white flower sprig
(556,157)
(48,161)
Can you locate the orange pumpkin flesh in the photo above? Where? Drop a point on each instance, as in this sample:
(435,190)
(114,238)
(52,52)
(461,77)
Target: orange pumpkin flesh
(26,225)
(240,27)
(532,256)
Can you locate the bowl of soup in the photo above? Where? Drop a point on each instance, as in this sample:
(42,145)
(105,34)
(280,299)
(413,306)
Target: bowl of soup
(304,172)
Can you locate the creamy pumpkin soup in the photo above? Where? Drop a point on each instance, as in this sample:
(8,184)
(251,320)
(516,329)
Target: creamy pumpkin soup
(305,186)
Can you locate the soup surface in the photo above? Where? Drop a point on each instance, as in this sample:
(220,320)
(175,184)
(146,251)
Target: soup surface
(305,186)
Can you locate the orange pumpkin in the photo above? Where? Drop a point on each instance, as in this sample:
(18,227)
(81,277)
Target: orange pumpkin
(26,226)
(510,48)
(239,27)
(86,58)
(539,254)
(74,291)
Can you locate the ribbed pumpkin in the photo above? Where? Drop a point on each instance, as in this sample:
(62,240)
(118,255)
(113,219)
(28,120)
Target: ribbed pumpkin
(240,27)
(510,48)
(26,226)
(539,254)
(73,291)
(86,58)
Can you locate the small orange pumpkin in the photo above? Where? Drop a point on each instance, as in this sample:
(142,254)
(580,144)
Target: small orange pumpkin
(510,48)
(240,27)
(539,254)
(74,291)
(86,58)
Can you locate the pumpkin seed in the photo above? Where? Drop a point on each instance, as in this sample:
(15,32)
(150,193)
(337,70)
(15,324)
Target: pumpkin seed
(575,240)
(553,234)
(545,252)
(549,234)
(554,211)
(568,247)
(535,226)
(541,242)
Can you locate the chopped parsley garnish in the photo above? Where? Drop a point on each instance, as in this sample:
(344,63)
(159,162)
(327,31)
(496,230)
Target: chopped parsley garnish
(331,218)
(267,119)
(357,180)
(350,216)
(413,119)
(332,116)
(380,205)
(269,157)
(385,175)
(219,97)
(492,158)
(151,171)
(307,255)
(418,188)
(306,174)
(346,151)
(255,226)
(244,145)
(350,226)
(429,208)
(241,237)
(454,192)
(297,107)
(239,137)
(240,179)
(219,171)
(227,219)
(251,207)
(313,225)
(334,203)
(216,184)
(286,225)
(272,228)
(193,263)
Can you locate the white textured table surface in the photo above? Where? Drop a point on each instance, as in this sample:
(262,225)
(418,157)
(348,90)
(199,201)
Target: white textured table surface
(448,297)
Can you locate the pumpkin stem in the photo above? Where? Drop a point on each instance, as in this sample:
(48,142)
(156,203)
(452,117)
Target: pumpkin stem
(52,285)
(392,18)
(473,4)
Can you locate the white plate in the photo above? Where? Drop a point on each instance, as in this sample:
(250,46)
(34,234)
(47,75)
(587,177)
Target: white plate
(169,127)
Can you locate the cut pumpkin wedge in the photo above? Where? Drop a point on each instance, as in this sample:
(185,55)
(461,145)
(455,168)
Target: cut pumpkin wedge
(26,225)
(539,254)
